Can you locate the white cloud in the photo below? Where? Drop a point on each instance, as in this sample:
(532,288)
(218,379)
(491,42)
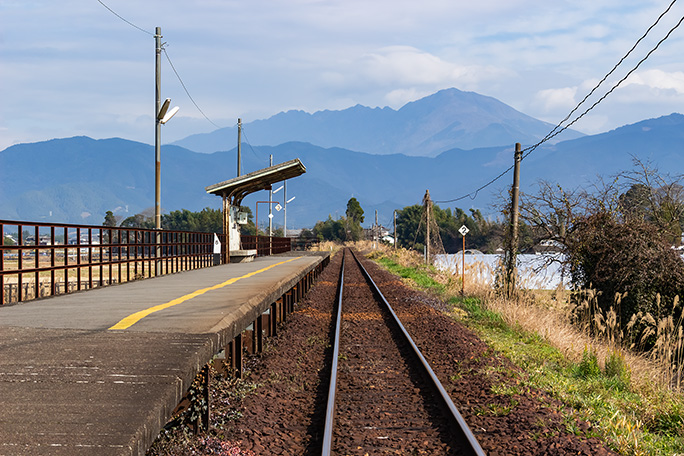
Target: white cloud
(554,100)
(408,65)
(417,71)
(659,79)
(398,98)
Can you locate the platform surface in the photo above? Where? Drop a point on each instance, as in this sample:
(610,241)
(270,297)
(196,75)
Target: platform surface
(100,371)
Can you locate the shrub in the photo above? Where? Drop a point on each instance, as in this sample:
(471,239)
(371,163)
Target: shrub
(630,258)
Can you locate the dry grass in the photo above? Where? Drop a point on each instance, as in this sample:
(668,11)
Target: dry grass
(548,314)
(549,317)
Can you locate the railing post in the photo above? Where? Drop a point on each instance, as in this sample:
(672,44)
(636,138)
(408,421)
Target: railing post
(206,383)
(20,260)
(259,325)
(274,319)
(2,264)
(131,248)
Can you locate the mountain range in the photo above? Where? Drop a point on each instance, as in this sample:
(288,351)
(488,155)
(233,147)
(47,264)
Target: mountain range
(427,127)
(76,180)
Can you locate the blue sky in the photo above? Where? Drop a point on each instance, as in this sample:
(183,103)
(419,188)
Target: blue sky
(72,68)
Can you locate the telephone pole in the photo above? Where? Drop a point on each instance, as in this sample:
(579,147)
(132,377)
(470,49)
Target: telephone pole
(394,215)
(376,230)
(270,209)
(513,248)
(428,204)
(239,148)
(157,128)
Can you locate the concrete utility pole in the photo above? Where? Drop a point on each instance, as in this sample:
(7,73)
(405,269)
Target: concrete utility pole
(270,209)
(516,195)
(239,148)
(284,208)
(157,131)
(376,231)
(426,201)
(510,266)
(394,214)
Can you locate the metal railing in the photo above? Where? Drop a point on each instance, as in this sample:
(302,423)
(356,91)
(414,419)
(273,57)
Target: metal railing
(42,259)
(265,245)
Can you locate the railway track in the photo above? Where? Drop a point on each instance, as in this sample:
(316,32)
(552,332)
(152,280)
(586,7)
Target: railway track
(286,412)
(383,396)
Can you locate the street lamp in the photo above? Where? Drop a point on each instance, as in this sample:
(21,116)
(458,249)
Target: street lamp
(164,113)
(285,201)
(270,210)
(285,215)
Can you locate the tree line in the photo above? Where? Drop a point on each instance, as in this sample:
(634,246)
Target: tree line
(207,220)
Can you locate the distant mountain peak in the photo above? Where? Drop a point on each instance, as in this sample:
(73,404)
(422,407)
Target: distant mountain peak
(448,119)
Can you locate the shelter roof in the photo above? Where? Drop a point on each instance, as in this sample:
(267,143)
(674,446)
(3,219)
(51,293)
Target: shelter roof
(239,187)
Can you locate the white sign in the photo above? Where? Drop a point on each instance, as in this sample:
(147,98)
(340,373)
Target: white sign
(217,244)
(278,207)
(463,230)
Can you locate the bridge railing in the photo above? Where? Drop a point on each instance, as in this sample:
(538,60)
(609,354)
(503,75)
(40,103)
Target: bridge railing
(41,259)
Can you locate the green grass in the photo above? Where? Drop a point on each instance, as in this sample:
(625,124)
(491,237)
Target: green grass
(630,422)
(420,277)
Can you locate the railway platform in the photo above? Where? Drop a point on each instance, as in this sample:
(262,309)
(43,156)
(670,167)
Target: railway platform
(100,372)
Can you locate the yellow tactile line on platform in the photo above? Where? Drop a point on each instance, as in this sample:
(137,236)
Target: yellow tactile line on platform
(136,317)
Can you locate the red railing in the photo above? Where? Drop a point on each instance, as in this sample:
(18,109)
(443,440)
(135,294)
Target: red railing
(265,245)
(41,259)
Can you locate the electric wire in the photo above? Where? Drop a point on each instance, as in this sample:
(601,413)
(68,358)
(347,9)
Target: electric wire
(187,92)
(615,86)
(124,19)
(244,133)
(558,129)
(595,88)
(186,89)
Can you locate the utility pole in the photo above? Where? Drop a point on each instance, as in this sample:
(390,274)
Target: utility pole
(157,149)
(427,202)
(513,248)
(239,148)
(270,209)
(394,214)
(376,231)
(157,131)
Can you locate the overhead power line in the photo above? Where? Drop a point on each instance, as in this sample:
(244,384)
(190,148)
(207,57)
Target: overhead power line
(244,134)
(559,128)
(124,19)
(186,89)
(595,88)
(167,58)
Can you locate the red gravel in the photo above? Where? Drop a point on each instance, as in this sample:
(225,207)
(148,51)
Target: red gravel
(383,405)
(286,412)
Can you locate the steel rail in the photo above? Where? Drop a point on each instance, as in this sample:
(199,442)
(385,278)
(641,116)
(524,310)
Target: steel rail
(462,426)
(330,409)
